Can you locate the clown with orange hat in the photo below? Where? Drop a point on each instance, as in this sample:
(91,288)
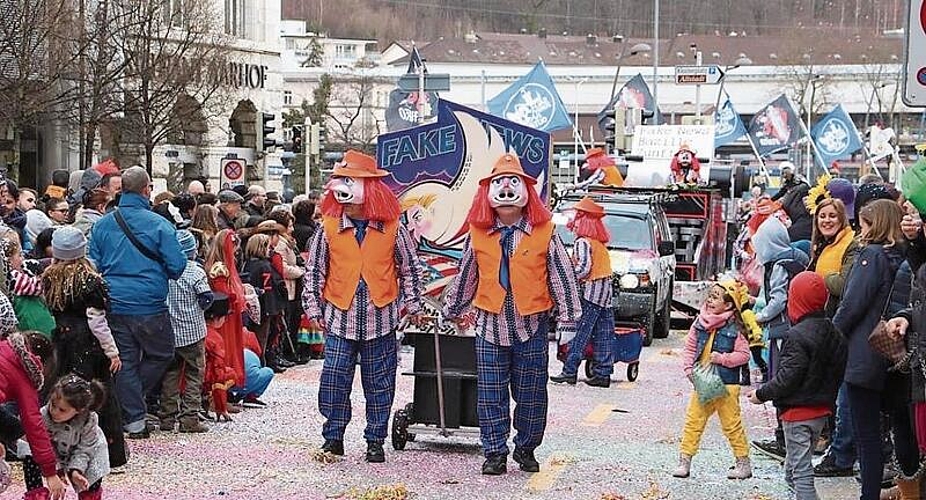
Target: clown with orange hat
(602,168)
(593,269)
(514,271)
(685,166)
(361,273)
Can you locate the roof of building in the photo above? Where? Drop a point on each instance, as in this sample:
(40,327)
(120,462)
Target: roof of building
(799,47)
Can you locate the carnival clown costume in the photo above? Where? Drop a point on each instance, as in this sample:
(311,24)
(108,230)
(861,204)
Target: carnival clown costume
(593,269)
(602,169)
(514,271)
(361,273)
(686,168)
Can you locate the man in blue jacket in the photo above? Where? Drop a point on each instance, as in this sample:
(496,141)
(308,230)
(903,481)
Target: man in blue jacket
(137,273)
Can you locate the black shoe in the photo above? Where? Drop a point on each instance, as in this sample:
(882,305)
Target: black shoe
(375,453)
(599,382)
(143,434)
(772,449)
(827,468)
(253,402)
(562,377)
(526,460)
(334,447)
(285,363)
(277,368)
(495,465)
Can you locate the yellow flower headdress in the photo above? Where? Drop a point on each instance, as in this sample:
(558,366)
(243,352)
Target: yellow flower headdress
(817,194)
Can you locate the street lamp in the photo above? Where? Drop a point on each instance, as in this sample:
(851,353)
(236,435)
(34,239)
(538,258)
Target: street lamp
(639,48)
(575,127)
(812,86)
(655,58)
(742,61)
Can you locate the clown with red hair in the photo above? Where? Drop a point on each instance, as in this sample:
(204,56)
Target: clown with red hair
(686,168)
(362,272)
(602,170)
(514,271)
(593,269)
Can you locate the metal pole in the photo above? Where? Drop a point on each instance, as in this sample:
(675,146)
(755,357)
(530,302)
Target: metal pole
(421,94)
(482,90)
(575,126)
(698,92)
(655,58)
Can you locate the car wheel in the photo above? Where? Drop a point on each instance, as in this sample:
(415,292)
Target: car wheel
(664,318)
(649,325)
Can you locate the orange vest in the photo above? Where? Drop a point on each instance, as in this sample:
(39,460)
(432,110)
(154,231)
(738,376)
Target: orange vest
(527,269)
(348,261)
(601,261)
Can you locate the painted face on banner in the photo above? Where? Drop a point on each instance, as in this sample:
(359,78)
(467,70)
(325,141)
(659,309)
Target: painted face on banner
(346,190)
(507,190)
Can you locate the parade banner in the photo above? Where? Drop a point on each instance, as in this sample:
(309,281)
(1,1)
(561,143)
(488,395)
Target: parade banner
(728,126)
(635,94)
(835,136)
(532,101)
(775,127)
(402,111)
(435,170)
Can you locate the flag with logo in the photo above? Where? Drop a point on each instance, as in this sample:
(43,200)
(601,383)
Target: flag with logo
(634,94)
(532,101)
(728,126)
(403,109)
(775,127)
(835,136)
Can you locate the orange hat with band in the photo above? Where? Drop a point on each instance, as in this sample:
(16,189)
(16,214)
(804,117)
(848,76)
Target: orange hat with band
(357,165)
(508,164)
(588,206)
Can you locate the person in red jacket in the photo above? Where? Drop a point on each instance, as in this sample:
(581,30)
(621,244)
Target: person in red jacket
(22,358)
(220,377)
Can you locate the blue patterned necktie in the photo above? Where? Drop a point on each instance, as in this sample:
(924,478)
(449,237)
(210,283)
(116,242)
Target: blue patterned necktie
(360,229)
(504,273)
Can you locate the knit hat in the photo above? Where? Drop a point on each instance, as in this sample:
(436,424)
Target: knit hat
(68,243)
(843,190)
(868,193)
(187,243)
(807,294)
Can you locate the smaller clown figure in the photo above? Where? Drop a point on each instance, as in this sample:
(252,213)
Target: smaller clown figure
(593,269)
(685,166)
(514,271)
(361,274)
(602,170)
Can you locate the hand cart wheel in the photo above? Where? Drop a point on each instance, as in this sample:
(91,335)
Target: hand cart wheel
(399,429)
(410,415)
(633,369)
(589,368)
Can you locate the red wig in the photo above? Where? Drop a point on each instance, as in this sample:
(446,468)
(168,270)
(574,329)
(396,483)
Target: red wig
(107,167)
(590,226)
(482,215)
(379,203)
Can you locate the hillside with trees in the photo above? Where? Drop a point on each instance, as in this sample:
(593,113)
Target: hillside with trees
(388,20)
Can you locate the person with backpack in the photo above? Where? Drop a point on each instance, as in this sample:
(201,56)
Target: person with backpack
(780,263)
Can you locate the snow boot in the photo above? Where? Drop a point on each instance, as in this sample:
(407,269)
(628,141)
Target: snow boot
(684,466)
(742,469)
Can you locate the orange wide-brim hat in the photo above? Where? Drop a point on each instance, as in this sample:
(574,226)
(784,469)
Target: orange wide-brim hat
(593,153)
(508,164)
(357,165)
(588,206)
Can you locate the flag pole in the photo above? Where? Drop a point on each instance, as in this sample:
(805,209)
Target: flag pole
(813,144)
(762,170)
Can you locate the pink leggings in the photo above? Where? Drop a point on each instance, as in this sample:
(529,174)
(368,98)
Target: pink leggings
(919,421)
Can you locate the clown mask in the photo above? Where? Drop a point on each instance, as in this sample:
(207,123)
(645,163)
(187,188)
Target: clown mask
(346,190)
(507,190)
(685,158)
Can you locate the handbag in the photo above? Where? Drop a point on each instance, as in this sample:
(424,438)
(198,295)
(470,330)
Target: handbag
(890,347)
(707,383)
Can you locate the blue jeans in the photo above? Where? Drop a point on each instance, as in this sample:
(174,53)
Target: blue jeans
(843,446)
(597,323)
(146,348)
(256,377)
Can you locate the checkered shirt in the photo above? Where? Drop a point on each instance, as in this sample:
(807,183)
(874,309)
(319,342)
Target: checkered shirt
(363,321)
(186,317)
(599,291)
(500,329)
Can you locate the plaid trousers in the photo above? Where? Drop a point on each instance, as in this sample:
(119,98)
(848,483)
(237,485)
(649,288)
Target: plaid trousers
(522,367)
(598,323)
(378,364)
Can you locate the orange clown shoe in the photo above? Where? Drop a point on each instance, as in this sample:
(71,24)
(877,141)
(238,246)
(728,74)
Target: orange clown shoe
(358,166)
(588,206)
(507,164)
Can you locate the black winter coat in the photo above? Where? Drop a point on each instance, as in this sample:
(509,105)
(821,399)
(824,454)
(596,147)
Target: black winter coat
(863,303)
(916,336)
(810,367)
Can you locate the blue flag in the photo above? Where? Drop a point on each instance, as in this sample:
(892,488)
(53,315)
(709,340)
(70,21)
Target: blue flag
(532,101)
(835,136)
(775,127)
(728,126)
(634,94)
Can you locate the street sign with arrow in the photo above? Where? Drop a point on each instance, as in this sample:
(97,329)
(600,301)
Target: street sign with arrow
(433,82)
(708,74)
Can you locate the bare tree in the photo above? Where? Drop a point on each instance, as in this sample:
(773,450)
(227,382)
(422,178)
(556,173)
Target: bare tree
(351,110)
(177,61)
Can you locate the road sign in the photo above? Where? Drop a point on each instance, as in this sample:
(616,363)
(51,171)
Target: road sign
(914,84)
(232,172)
(433,82)
(709,74)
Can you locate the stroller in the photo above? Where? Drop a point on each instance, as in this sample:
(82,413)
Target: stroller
(626,345)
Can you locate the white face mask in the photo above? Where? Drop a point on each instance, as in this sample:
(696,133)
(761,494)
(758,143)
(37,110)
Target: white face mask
(346,190)
(507,190)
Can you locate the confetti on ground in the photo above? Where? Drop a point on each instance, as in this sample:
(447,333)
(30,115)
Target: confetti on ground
(654,492)
(385,492)
(325,457)
(668,352)
(612,496)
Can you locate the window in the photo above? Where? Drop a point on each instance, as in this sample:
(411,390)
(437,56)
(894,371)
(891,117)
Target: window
(172,13)
(345,51)
(235,18)
(287,98)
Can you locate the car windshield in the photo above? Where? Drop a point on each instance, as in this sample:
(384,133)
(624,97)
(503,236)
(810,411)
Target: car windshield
(627,232)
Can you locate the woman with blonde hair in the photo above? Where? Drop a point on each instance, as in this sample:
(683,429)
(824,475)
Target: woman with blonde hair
(870,386)
(205,226)
(264,277)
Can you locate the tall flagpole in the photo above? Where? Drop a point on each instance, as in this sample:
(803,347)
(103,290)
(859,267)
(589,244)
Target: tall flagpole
(813,145)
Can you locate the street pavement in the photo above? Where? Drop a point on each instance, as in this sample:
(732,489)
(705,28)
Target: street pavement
(590,451)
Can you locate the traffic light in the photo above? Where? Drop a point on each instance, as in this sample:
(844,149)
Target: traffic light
(317,139)
(297,139)
(266,129)
(610,128)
